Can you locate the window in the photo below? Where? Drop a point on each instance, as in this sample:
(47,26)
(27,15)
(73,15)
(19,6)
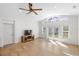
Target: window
(50,31)
(65,31)
(56,31)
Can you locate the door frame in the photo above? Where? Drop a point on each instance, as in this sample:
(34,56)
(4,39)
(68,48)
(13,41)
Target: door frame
(9,22)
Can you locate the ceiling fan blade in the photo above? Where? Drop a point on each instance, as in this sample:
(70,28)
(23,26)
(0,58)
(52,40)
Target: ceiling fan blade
(29,12)
(37,9)
(31,9)
(22,9)
(34,12)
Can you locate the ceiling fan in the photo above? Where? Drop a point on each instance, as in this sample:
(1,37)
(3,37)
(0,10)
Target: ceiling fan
(31,9)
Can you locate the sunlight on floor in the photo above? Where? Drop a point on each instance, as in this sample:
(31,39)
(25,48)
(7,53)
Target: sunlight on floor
(58,43)
(53,42)
(67,54)
(61,44)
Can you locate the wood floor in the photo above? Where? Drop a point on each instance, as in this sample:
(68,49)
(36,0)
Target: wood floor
(40,47)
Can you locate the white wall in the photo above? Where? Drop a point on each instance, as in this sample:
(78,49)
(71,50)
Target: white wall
(78,29)
(0,34)
(25,23)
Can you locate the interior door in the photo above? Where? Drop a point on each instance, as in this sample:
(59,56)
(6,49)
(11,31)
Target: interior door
(8,33)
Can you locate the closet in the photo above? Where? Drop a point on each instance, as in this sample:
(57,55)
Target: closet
(6,32)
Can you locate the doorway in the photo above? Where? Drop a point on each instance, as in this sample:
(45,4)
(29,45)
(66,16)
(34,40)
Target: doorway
(8,33)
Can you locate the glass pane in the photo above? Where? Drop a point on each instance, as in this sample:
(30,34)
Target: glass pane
(56,32)
(50,31)
(65,28)
(65,34)
(65,31)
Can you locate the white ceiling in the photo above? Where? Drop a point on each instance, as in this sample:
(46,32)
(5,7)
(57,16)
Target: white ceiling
(56,8)
(12,9)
